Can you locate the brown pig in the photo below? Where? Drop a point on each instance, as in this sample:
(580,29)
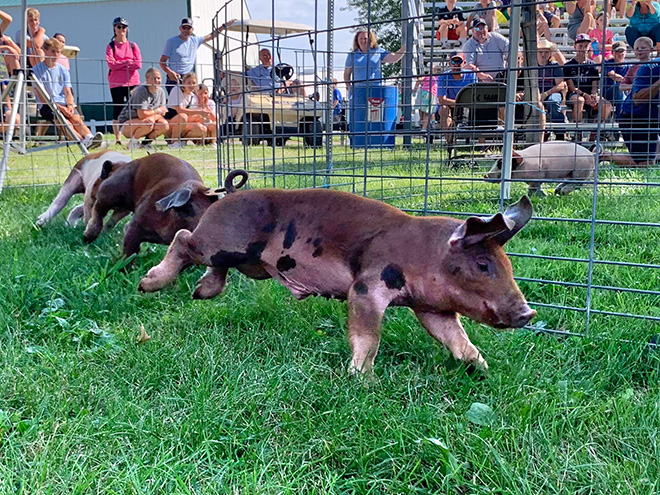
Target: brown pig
(165,193)
(336,244)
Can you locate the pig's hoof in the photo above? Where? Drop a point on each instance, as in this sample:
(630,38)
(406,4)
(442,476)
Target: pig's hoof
(148,284)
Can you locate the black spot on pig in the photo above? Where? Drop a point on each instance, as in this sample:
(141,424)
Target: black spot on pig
(317,242)
(317,252)
(355,261)
(393,277)
(268,228)
(290,235)
(361,288)
(285,263)
(229,259)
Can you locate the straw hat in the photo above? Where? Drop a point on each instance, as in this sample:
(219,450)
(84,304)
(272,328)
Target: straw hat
(544,44)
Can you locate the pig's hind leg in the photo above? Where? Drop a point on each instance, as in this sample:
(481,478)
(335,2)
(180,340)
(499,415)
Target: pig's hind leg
(447,329)
(72,185)
(211,284)
(177,258)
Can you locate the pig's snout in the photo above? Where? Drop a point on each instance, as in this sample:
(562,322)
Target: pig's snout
(492,175)
(523,318)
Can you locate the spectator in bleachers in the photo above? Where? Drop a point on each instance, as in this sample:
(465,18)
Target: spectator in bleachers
(486,52)
(597,34)
(449,84)
(615,70)
(364,61)
(180,52)
(643,48)
(580,17)
(487,11)
(551,83)
(451,24)
(10,50)
(427,87)
(36,36)
(144,113)
(62,60)
(124,60)
(57,83)
(582,77)
(185,121)
(551,14)
(644,18)
(638,120)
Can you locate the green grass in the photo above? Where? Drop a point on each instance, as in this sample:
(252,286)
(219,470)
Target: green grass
(248,393)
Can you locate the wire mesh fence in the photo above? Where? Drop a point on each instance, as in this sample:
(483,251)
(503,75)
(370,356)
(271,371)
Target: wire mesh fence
(297,108)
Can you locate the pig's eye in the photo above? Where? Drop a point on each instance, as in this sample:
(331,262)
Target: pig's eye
(483,267)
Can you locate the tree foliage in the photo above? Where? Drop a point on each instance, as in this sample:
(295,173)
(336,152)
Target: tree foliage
(384,17)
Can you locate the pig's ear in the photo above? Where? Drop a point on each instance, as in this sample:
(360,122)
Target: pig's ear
(500,227)
(517,215)
(106,169)
(516,160)
(178,198)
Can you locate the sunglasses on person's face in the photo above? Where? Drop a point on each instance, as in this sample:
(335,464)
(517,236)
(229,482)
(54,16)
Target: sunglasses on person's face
(480,27)
(186,27)
(456,61)
(119,26)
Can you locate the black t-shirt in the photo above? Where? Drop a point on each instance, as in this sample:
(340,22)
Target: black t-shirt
(445,13)
(583,74)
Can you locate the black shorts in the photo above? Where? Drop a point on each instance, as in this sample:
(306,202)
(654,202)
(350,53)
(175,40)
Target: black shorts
(171,113)
(120,96)
(46,113)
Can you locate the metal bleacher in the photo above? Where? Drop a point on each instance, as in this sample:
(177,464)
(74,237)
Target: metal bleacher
(559,35)
(434,54)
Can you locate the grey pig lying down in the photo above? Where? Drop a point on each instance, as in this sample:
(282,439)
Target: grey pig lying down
(553,160)
(340,245)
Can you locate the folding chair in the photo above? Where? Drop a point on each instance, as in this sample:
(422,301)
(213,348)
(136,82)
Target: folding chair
(476,113)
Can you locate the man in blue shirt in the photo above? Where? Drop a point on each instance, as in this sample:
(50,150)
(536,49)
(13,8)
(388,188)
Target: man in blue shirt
(449,84)
(57,82)
(262,75)
(180,51)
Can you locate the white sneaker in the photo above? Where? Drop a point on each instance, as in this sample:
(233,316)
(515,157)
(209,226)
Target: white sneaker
(133,144)
(177,144)
(96,141)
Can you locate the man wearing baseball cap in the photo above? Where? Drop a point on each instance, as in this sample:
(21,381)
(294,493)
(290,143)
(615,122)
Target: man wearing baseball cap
(180,51)
(449,84)
(582,78)
(486,52)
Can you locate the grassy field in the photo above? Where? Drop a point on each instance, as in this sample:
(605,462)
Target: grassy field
(248,393)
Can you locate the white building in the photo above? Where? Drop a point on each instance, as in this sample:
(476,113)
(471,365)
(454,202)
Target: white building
(88,25)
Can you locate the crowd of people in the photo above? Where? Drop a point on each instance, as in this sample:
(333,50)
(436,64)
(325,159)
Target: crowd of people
(142,112)
(598,84)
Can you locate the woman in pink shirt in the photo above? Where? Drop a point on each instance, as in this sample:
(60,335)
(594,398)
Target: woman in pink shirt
(124,61)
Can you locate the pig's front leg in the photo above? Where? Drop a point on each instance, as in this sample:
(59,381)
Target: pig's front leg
(447,329)
(95,224)
(365,316)
(176,259)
